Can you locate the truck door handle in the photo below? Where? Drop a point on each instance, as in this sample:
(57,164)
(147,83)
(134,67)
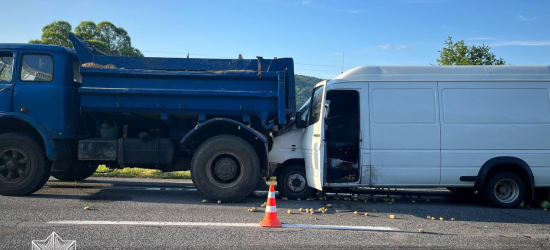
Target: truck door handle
(316,135)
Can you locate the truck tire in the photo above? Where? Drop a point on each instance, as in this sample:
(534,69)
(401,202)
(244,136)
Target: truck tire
(76,173)
(23,166)
(226,168)
(292,183)
(504,190)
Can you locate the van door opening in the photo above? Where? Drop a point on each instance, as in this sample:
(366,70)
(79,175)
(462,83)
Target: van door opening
(342,130)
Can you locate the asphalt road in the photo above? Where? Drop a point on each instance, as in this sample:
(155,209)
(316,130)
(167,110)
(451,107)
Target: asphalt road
(476,226)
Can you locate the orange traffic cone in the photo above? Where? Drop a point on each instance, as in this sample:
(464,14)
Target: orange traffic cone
(270,219)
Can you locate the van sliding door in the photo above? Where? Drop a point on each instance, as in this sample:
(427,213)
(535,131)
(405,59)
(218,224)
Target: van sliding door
(405,134)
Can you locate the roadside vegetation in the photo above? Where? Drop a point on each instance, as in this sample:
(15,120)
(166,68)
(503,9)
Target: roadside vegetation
(103,171)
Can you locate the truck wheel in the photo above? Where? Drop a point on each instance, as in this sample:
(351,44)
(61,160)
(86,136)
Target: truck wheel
(76,173)
(225,167)
(292,183)
(462,191)
(23,166)
(504,190)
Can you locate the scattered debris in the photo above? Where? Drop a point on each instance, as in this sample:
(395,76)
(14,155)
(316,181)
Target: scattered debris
(298,199)
(301,209)
(289,211)
(86,208)
(329,205)
(420,230)
(441,218)
(366,214)
(307,210)
(355,212)
(392,216)
(219,202)
(285,199)
(433,218)
(429,217)
(522,204)
(316,219)
(452,219)
(311,211)
(204,201)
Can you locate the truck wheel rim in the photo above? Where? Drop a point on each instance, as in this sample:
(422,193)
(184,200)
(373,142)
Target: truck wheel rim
(506,190)
(14,165)
(224,170)
(296,182)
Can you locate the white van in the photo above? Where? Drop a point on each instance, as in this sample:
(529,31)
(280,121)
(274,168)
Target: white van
(466,128)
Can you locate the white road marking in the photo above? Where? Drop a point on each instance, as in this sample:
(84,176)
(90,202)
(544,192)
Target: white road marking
(218,224)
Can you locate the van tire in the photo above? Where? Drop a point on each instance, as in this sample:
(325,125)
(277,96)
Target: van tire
(298,189)
(504,190)
(226,168)
(22,153)
(76,173)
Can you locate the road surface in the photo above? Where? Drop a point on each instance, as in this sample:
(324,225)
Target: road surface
(146,214)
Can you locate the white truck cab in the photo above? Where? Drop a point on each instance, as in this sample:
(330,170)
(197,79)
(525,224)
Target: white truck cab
(466,128)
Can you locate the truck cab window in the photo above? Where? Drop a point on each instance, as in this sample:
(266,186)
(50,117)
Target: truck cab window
(316,105)
(37,68)
(6,66)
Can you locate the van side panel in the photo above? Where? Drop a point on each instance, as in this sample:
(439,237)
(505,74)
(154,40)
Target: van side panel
(405,134)
(483,120)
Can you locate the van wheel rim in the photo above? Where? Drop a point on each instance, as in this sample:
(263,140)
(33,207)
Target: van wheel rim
(14,165)
(296,182)
(506,191)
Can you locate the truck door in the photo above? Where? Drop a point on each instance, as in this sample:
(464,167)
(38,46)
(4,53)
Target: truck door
(313,139)
(6,79)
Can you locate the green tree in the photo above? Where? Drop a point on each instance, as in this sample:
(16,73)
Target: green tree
(104,36)
(461,54)
(304,87)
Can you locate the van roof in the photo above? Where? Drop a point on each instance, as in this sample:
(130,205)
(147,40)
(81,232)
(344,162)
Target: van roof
(447,73)
(29,46)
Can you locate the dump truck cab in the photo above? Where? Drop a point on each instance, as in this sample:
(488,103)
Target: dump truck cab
(39,92)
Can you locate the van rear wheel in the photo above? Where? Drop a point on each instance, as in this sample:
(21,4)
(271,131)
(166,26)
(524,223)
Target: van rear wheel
(504,190)
(225,168)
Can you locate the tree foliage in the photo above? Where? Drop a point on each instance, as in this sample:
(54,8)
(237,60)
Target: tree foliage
(104,36)
(461,54)
(304,87)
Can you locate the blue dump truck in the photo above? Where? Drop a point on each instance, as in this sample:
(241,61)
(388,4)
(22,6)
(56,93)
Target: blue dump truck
(63,112)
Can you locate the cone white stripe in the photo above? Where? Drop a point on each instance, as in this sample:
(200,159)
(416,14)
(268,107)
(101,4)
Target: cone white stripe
(271,195)
(270,209)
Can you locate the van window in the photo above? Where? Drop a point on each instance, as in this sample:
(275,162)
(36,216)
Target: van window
(6,66)
(316,105)
(404,106)
(495,106)
(37,68)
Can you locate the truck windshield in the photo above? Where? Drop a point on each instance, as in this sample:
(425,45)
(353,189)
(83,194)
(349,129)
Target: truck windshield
(316,105)
(6,62)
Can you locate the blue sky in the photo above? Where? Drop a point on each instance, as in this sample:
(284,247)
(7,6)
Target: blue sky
(314,32)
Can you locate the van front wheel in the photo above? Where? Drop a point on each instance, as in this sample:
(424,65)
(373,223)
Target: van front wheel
(292,183)
(504,190)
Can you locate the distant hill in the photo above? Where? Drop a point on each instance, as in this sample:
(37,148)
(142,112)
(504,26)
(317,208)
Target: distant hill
(304,86)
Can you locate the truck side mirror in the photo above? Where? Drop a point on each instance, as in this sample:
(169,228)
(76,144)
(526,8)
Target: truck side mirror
(299,122)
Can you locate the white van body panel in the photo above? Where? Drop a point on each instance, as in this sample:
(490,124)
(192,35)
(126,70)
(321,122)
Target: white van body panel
(405,134)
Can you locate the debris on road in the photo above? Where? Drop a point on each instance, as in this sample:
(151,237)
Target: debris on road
(329,205)
(301,209)
(392,216)
(420,230)
(452,219)
(441,218)
(219,202)
(289,211)
(86,208)
(545,205)
(204,201)
(285,199)
(366,214)
(429,217)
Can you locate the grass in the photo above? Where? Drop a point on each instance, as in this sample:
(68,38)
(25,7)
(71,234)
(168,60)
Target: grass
(103,171)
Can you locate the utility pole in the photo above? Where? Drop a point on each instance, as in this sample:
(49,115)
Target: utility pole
(342,62)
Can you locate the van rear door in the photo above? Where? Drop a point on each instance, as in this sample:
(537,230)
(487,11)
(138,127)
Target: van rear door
(313,139)
(6,79)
